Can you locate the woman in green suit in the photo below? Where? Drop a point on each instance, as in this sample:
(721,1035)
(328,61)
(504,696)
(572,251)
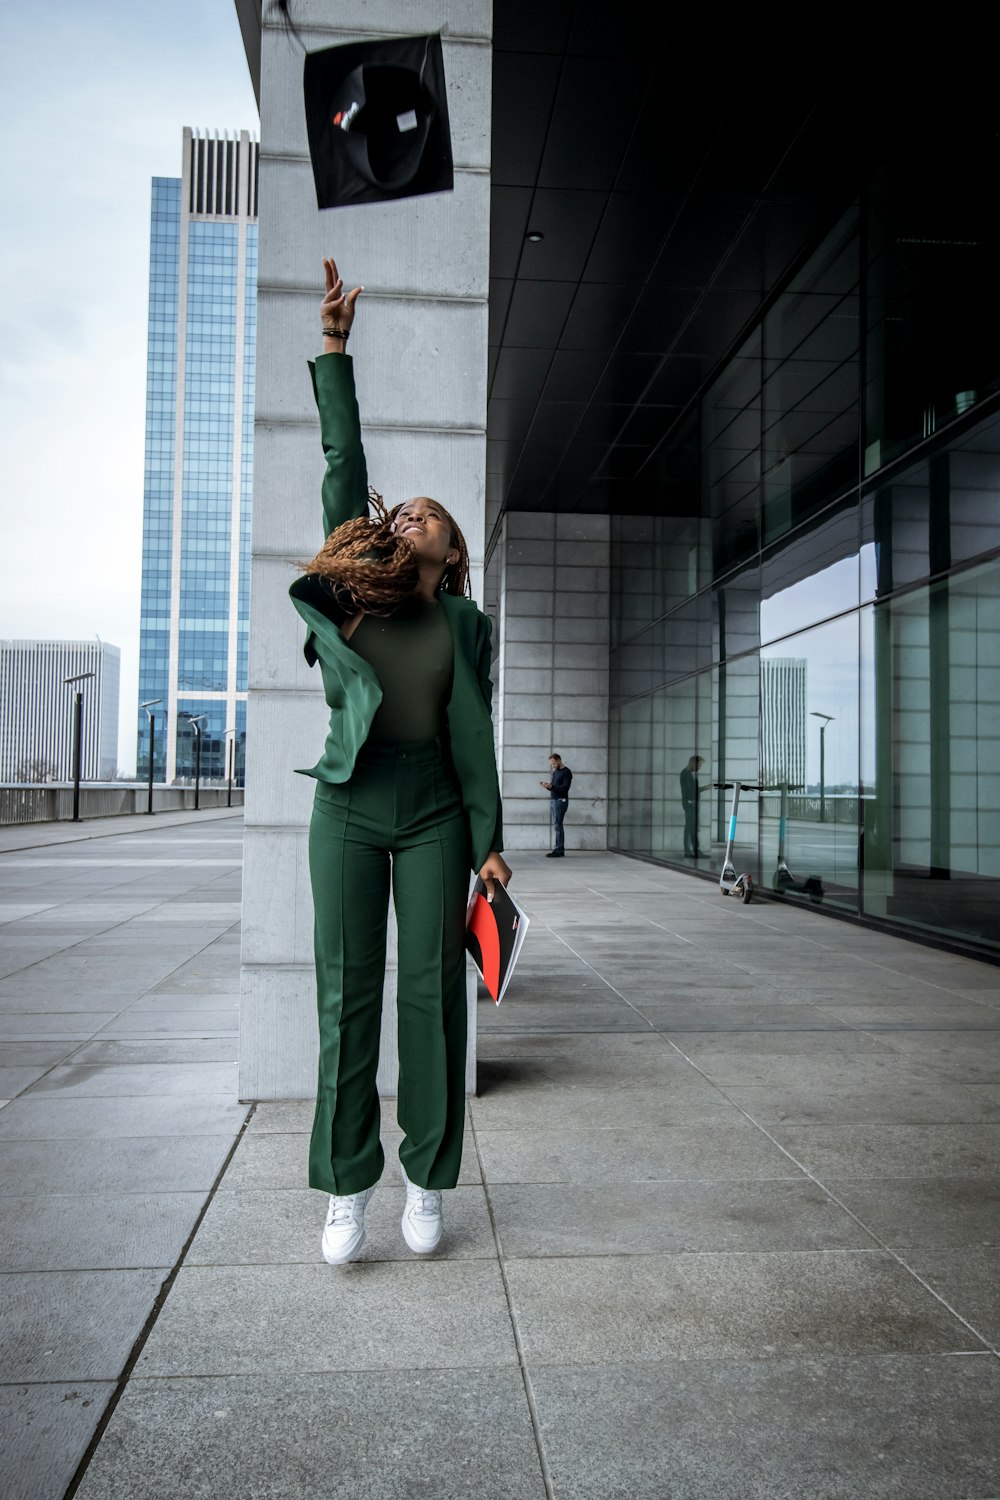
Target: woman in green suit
(406,797)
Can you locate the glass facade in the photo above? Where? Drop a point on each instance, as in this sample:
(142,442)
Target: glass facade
(815,611)
(158,491)
(196,539)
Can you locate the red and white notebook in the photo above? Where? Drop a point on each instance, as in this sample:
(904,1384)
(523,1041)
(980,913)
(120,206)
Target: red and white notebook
(494,933)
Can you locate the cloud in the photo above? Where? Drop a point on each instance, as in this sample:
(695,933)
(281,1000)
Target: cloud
(93,101)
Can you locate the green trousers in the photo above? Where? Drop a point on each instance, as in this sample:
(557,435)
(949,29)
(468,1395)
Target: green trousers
(398,820)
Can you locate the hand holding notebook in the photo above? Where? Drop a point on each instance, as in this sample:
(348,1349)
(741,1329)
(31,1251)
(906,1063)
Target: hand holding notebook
(494,933)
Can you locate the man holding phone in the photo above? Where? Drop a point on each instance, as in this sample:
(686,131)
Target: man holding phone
(558,789)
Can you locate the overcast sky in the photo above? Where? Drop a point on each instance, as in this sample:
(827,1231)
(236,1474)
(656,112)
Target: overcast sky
(94,95)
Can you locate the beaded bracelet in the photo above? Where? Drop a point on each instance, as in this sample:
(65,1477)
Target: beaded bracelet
(336,333)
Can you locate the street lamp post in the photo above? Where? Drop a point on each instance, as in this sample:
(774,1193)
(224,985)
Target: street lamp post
(822,762)
(196,720)
(149,703)
(77,738)
(230,757)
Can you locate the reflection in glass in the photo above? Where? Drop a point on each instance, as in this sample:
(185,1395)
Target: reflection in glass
(811,379)
(942,511)
(932,830)
(932,291)
(809,763)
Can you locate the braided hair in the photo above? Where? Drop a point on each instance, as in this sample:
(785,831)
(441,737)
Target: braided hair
(368,567)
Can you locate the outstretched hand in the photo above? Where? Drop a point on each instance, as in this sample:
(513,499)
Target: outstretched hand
(337,309)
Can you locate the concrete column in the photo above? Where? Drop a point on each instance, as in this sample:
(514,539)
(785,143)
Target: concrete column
(554,590)
(420,356)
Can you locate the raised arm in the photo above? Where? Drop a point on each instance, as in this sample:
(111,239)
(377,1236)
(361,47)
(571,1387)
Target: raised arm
(345,483)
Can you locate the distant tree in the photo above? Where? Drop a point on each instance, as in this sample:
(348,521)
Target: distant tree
(35,769)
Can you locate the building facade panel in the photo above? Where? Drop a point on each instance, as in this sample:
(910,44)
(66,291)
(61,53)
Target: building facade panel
(199,462)
(37,709)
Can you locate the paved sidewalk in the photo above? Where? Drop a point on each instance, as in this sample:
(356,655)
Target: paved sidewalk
(119,957)
(728,1227)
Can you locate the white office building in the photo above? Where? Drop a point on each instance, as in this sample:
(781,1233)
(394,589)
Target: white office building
(37,709)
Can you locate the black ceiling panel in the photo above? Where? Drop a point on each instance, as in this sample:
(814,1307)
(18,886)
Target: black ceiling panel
(586,137)
(657,320)
(509,209)
(674,177)
(597,317)
(524,88)
(538,311)
(568,222)
(630,235)
(573,374)
(520,374)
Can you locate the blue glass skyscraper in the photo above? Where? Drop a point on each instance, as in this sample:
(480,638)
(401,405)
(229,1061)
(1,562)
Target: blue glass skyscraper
(199,459)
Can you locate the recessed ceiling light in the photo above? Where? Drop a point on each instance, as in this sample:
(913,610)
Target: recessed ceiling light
(534,235)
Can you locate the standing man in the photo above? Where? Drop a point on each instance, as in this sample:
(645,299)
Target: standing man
(558,790)
(690,791)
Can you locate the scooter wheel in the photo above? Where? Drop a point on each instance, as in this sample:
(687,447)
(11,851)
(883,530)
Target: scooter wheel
(747,891)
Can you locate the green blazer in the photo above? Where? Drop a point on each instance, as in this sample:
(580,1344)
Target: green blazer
(352,688)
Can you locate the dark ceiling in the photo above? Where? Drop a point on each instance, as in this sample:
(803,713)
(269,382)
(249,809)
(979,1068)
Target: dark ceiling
(675,169)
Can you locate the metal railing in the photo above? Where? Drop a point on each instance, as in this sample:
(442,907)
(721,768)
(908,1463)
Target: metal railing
(53,802)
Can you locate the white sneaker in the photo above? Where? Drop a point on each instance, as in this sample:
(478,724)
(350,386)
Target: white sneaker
(345,1227)
(422,1224)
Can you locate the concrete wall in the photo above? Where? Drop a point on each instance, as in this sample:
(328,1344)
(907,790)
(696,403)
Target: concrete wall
(54,804)
(553,586)
(419,345)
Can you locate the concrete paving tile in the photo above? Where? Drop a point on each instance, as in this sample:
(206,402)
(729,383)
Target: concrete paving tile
(653,1063)
(50,1117)
(94,976)
(710,1050)
(206,979)
(776,1429)
(16,911)
(968,1280)
(873,1066)
(619,1154)
(284,1226)
(44,1053)
(157,1004)
(294,1116)
(269,1159)
(152,1050)
(14,1081)
(393,1315)
(63,997)
(735,1307)
(193,1022)
(73,1325)
(894,1150)
(44,1433)
(943,1014)
(743,1014)
(661,1218)
(36,1026)
(96,1231)
(273,1436)
(925,1102)
(649,1107)
(136,1164)
(140,1079)
(944,1211)
(526,1015)
(965,1057)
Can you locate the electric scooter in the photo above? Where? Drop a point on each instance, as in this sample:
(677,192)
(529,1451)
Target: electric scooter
(783,879)
(731,884)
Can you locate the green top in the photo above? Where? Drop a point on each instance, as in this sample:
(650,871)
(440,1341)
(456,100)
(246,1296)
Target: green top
(412,655)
